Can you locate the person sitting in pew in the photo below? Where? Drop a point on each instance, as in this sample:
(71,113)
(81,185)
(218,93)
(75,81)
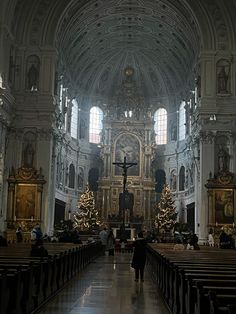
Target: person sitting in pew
(225,240)
(38,250)
(193,243)
(179,245)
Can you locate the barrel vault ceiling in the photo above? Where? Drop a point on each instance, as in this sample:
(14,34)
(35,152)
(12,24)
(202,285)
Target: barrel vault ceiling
(149,46)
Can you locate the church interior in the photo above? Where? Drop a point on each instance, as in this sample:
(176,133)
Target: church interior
(118,96)
(85,84)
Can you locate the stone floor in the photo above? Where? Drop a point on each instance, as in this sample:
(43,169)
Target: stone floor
(107,286)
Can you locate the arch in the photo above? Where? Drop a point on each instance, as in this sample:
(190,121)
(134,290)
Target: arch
(53,16)
(71,176)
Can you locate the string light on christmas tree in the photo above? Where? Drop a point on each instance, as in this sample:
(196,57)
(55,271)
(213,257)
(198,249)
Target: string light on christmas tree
(87,217)
(166,218)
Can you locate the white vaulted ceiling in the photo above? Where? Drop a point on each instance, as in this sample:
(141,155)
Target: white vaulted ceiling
(158,39)
(97,40)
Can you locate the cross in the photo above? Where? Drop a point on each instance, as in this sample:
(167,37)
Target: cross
(125,166)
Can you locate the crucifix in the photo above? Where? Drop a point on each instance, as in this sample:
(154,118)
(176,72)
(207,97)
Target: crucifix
(125,166)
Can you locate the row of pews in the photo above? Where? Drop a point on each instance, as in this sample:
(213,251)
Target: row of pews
(28,282)
(195,282)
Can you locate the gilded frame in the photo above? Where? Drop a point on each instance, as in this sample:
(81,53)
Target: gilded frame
(26,202)
(224,206)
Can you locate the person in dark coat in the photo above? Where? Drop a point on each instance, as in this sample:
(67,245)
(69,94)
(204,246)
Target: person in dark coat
(139,256)
(38,250)
(19,236)
(3,241)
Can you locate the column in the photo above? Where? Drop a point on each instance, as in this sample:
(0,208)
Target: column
(206,166)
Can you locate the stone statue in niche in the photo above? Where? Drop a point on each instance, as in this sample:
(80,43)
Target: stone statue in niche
(223,69)
(222,81)
(32,77)
(223,160)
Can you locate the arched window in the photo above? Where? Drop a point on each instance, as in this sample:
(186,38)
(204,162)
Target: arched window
(72,176)
(74,119)
(181,178)
(95,125)
(182,121)
(160,126)
(160,177)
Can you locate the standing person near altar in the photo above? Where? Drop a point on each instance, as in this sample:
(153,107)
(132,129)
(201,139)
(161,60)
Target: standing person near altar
(139,257)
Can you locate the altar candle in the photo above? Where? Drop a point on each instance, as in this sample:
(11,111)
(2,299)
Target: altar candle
(216,224)
(233,224)
(32,218)
(14,218)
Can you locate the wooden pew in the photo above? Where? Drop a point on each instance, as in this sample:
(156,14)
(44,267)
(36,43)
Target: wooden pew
(222,304)
(169,269)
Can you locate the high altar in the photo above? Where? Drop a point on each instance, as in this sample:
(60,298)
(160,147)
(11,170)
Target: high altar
(128,132)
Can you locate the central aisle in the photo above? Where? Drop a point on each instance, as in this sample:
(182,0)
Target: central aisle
(107,286)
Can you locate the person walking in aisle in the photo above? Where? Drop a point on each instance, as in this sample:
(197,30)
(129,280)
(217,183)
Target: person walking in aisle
(139,257)
(103,237)
(111,243)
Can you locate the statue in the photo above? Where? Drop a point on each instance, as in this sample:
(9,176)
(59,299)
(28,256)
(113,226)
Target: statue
(32,76)
(223,160)
(222,81)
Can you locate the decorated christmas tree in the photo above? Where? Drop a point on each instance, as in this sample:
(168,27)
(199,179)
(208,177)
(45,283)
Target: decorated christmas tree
(166,218)
(86,218)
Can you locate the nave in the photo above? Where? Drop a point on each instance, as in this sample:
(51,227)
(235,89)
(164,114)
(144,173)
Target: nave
(107,286)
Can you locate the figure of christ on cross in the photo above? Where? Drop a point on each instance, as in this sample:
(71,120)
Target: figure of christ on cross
(125,166)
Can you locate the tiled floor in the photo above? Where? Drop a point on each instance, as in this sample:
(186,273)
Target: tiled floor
(107,286)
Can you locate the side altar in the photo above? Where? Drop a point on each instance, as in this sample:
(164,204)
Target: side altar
(24,202)
(221,189)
